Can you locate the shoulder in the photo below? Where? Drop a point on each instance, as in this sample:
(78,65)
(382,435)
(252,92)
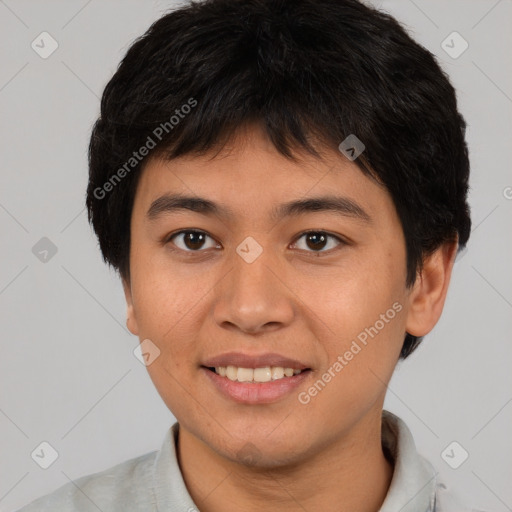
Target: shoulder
(413,471)
(448,500)
(124,487)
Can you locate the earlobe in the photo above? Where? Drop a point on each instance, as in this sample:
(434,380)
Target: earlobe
(131,320)
(428,294)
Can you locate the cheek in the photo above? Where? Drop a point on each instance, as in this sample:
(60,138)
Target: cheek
(364,309)
(164,304)
(366,328)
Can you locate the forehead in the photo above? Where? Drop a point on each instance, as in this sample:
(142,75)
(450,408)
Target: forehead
(249,176)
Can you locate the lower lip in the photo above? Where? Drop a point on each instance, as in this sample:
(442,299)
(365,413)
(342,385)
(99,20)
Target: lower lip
(256,392)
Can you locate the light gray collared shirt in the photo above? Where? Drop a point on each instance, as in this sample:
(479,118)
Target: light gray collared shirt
(153,482)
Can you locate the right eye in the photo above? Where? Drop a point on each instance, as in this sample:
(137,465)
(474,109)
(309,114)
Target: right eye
(191,240)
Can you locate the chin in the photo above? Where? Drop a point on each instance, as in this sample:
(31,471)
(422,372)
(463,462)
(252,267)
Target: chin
(265,451)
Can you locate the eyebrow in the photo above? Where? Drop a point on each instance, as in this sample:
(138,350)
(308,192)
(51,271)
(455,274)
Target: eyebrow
(170,203)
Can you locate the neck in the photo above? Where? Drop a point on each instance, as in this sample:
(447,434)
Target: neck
(350,474)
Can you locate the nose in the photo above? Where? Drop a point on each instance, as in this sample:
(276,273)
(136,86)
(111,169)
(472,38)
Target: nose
(253,297)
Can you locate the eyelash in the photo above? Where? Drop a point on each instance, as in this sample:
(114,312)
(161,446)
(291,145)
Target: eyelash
(318,231)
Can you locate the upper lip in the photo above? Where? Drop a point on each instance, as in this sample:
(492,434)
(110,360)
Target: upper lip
(254,361)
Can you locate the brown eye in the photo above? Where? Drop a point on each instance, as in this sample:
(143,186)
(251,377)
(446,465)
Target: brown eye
(191,241)
(316,241)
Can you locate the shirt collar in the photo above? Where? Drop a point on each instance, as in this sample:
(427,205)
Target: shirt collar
(413,485)
(412,488)
(170,491)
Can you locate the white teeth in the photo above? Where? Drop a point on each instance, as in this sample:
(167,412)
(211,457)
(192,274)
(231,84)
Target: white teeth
(245,374)
(277,372)
(262,374)
(265,374)
(231,372)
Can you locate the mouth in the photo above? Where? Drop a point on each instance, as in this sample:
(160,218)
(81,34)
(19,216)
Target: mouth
(255,378)
(256,375)
(250,380)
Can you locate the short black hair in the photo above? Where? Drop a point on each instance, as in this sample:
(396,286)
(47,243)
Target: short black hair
(311,73)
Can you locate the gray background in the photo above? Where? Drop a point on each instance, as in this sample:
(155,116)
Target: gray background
(68,375)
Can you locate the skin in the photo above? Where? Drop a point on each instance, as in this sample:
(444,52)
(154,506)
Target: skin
(323,455)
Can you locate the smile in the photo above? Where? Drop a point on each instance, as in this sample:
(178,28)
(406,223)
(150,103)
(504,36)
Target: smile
(254,375)
(263,385)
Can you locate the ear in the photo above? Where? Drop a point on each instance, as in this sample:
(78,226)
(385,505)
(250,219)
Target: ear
(131,320)
(427,296)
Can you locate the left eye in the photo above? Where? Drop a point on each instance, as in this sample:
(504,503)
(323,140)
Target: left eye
(317,240)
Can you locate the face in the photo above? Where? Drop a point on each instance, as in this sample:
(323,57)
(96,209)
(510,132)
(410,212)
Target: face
(243,281)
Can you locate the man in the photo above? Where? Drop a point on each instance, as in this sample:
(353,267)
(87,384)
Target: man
(282,186)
